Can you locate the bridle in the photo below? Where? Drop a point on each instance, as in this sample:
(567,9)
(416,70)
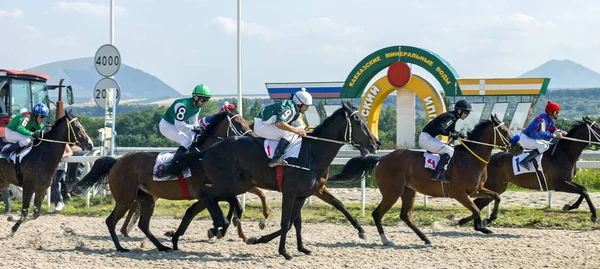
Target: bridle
(506,143)
(234,129)
(70,132)
(347,133)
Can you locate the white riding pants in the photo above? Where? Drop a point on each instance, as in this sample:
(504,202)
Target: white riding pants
(530,143)
(270,131)
(15,137)
(435,145)
(171,132)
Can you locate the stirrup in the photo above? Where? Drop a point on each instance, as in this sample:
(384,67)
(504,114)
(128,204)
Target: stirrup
(278,162)
(525,165)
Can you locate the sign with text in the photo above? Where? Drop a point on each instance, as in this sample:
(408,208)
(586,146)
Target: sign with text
(103,90)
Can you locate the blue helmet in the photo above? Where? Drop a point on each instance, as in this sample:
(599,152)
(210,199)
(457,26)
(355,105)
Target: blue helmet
(41,109)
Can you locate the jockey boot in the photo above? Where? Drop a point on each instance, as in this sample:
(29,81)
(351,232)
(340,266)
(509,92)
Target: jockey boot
(525,162)
(180,151)
(438,174)
(279,151)
(9,150)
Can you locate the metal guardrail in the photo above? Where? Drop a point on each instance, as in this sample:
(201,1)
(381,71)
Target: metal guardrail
(343,157)
(587,154)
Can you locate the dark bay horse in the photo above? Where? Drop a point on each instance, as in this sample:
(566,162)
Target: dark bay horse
(38,168)
(558,164)
(323,193)
(240,163)
(130,178)
(402,174)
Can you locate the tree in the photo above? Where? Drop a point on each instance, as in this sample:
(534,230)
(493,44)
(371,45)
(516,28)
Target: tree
(246,109)
(256,108)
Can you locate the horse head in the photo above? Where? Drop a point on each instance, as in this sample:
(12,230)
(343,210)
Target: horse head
(508,141)
(76,133)
(222,125)
(593,129)
(357,131)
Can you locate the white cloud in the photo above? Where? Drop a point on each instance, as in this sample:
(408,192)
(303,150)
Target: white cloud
(251,29)
(89,8)
(329,27)
(15,14)
(67,41)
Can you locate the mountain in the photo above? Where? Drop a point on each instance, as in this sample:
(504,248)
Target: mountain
(82,76)
(565,74)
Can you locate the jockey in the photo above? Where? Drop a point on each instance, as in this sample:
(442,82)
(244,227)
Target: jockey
(173,125)
(25,127)
(538,133)
(282,121)
(204,121)
(443,125)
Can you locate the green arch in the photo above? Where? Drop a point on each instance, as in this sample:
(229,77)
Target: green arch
(363,72)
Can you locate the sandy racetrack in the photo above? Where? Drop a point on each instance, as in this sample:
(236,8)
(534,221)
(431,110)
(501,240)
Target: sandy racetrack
(55,241)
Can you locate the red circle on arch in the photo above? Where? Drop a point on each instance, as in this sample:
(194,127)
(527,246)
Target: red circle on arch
(399,74)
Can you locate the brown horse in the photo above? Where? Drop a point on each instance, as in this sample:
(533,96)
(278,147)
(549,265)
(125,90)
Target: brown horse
(130,178)
(558,164)
(402,173)
(38,168)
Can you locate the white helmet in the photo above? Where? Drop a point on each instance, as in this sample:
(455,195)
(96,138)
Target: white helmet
(302,97)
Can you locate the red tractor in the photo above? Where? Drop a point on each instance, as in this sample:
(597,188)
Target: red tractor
(20,91)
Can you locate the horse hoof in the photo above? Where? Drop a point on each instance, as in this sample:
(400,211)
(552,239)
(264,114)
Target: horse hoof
(252,241)
(484,222)
(220,234)
(362,235)
(262,224)
(566,208)
(427,242)
(305,251)
(486,231)
(211,234)
(169,234)
(165,249)
(122,250)
(285,255)
(594,219)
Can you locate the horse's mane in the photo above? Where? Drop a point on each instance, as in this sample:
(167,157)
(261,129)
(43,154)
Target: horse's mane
(212,123)
(478,129)
(211,129)
(575,126)
(59,121)
(328,120)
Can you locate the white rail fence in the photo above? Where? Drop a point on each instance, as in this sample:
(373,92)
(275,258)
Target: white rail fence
(341,159)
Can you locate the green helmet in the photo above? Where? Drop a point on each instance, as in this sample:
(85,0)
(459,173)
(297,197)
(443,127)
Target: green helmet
(202,91)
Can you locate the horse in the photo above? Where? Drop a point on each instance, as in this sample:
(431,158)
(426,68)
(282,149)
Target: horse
(37,169)
(131,178)
(558,164)
(239,163)
(402,173)
(217,132)
(323,193)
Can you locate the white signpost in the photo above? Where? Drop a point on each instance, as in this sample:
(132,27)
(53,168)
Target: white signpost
(107,92)
(107,60)
(103,89)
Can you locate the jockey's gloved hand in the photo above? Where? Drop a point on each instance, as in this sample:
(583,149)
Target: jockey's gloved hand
(36,134)
(198,129)
(457,135)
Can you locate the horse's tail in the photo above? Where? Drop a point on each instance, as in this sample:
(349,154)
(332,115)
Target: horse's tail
(356,168)
(186,160)
(98,175)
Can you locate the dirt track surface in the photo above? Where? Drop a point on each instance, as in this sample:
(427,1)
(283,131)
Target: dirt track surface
(55,241)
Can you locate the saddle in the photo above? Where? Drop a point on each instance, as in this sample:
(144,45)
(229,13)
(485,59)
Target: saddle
(11,156)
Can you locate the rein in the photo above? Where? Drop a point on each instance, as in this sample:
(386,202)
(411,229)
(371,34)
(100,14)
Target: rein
(347,133)
(590,133)
(233,128)
(70,131)
(496,132)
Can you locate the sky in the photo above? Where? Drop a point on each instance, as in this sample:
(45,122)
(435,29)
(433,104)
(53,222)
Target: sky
(188,42)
